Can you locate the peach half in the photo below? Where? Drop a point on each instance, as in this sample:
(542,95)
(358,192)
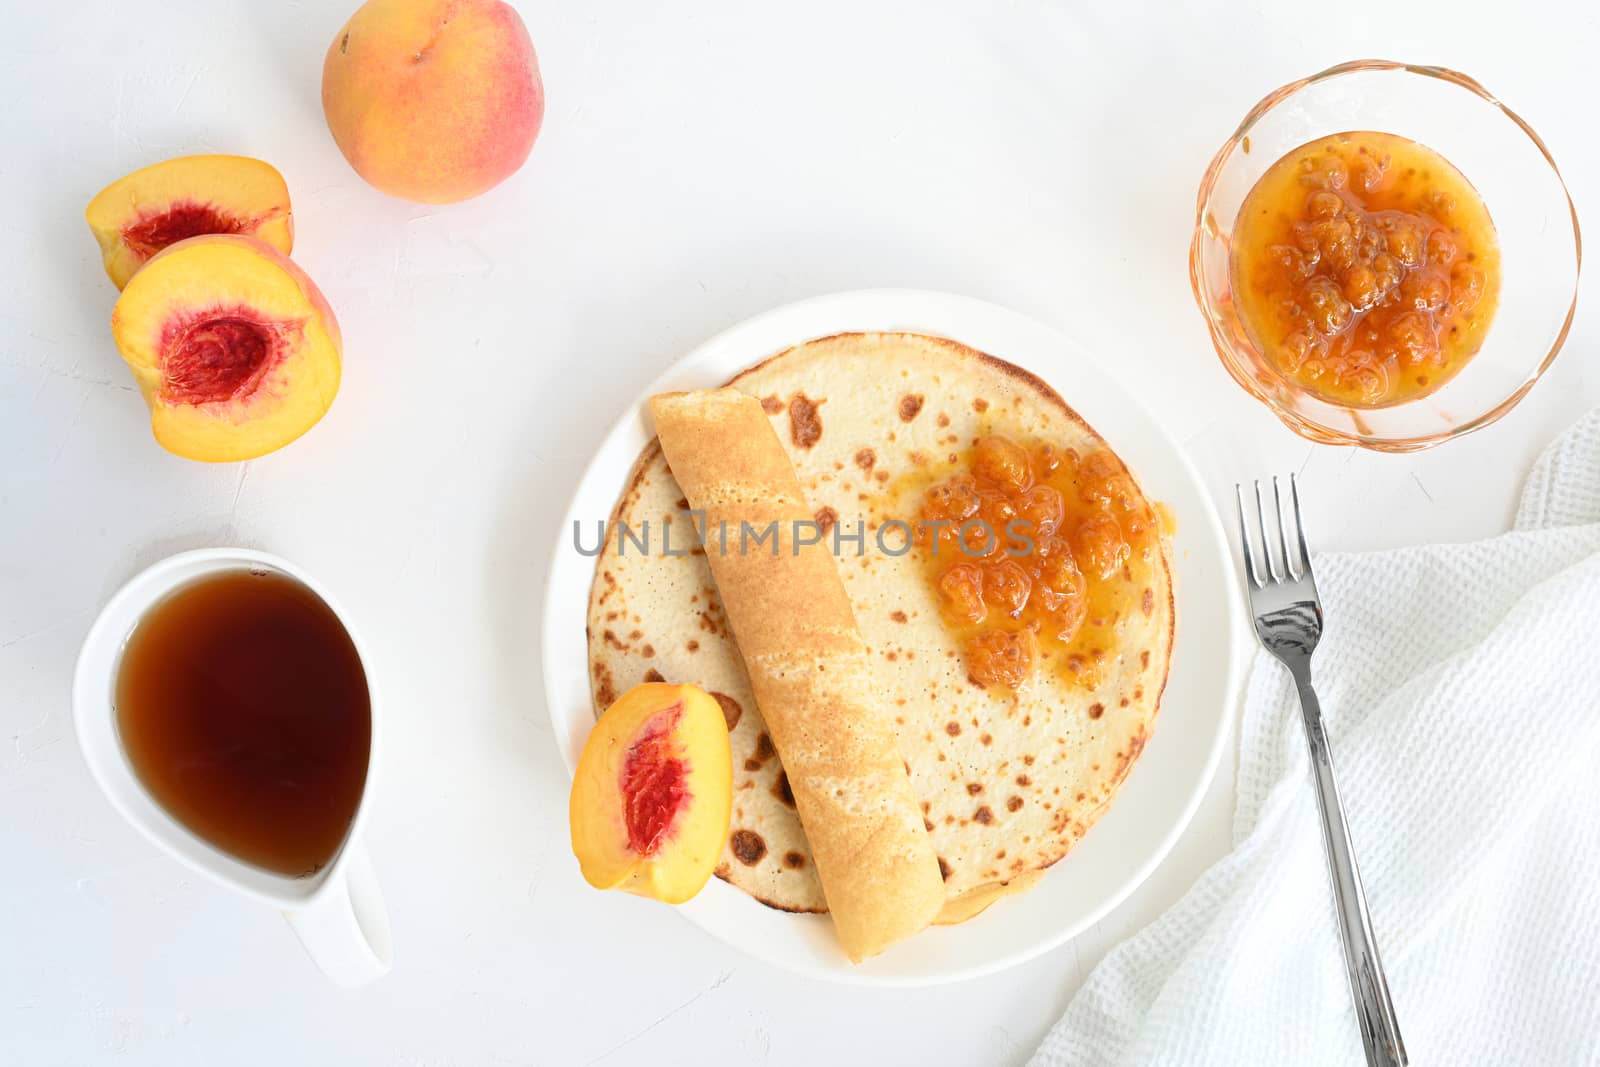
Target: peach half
(653,794)
(433,100)
(235,350)
(135,217)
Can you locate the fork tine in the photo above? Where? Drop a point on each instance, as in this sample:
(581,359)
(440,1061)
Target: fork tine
(1289,564)
(1244,537)
(1266,542)
(1299,526)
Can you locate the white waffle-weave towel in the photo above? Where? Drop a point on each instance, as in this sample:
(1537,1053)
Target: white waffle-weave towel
(1461,685)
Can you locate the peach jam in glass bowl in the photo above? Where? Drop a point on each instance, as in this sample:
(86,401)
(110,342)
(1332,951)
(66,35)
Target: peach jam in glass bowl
(1385,255)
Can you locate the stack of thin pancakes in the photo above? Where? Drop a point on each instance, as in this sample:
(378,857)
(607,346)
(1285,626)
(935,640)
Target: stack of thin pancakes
(1007,781)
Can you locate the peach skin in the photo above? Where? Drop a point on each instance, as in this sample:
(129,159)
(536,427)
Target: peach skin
(653,794)
(433,100)
(135,217)
(235,350)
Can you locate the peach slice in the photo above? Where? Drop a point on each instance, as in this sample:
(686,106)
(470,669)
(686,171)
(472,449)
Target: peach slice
(235,350)
(135,217)
(433,100)
(653,794)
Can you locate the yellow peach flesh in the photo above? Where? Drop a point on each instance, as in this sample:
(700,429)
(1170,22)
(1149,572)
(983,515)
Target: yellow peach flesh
(234,348)
(137,216)
(653,794)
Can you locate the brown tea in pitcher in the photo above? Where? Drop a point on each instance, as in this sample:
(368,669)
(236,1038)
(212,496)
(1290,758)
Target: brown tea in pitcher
(243,706)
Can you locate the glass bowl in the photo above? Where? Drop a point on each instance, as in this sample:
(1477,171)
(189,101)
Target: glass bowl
(1504,159)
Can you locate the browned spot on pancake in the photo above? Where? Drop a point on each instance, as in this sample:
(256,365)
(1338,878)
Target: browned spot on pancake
(943,420)
(771,404)
(952,728)
(731,711)
(781,790)
(805,425)
(944,869)
(1144,658)
(910,405)
(1148,603)
(653,675)
(614,641)
(1096,710)
(604,691)
(1138,692)
(682,504)
(1079,796)
(1125,760)
(693,645)
(635,635)
(898,616)
(764,749)
(647,651)
(723,870)
(1027,761)
(974,788)
(793,860)
(1024,781)
(866,458)
(1013,803)
(986,739)
(748,847)
(927,824)
(980,405)
(984,815)
(794,910)
(825,518)
(1122,703)
(919,459)
(881,476)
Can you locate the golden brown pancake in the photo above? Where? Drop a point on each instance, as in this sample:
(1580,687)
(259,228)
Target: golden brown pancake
(1008,781)
(811,672)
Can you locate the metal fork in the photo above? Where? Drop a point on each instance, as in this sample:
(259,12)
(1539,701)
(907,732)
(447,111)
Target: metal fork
(1288,620)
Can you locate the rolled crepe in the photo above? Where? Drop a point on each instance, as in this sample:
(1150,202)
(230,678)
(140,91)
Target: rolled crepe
(808,667)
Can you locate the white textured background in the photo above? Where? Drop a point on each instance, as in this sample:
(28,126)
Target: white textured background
(696,167)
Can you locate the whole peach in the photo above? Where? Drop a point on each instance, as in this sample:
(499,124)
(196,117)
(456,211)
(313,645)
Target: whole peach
(433,100)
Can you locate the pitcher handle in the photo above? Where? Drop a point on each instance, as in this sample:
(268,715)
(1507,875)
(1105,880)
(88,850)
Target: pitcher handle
(345,927)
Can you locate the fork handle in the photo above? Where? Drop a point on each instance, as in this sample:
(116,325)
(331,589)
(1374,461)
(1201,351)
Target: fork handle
(1380,1033)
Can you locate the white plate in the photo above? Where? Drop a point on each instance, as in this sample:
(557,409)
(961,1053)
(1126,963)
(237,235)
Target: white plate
(1161,793)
